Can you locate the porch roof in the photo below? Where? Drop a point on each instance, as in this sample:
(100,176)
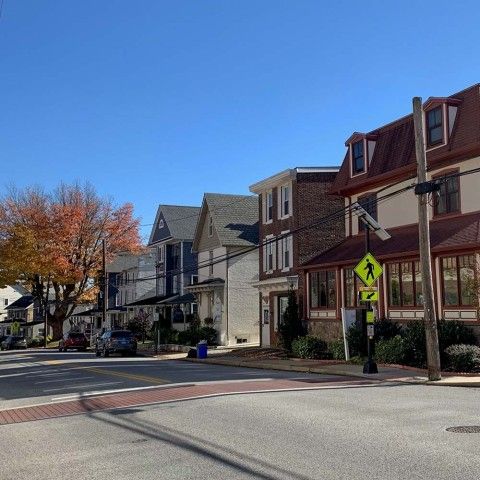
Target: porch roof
(448,234)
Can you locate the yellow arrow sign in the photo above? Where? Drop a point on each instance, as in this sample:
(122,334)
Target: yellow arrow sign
(368,269)
(368,296)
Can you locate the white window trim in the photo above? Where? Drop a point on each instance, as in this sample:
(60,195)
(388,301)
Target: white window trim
(280,201)
(289,239)
(161,224)
(365,158)
(274,254)
(266,220)
(444,125)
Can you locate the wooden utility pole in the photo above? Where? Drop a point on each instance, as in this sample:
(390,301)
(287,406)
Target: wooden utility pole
(105,284)
(429,316)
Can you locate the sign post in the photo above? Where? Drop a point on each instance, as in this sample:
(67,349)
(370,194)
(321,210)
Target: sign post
(369,270)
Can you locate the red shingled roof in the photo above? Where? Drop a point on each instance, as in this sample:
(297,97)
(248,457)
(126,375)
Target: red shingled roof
(460,232)
(395,145)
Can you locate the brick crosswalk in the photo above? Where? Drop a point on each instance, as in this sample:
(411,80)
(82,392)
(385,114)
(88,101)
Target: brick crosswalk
(161,395)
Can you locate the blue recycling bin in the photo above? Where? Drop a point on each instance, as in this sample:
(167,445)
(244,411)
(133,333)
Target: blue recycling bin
(202,349)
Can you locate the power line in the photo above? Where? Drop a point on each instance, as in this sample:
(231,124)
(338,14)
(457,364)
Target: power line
(333,216)
(336,215)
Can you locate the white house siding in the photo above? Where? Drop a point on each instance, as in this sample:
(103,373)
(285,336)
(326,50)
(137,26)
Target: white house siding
(242,300)
(10,295)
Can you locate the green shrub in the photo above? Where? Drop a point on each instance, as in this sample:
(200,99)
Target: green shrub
(386,329)
(337,349)
(291,326)
(209,334)
(463,358)
(450,332)
(309,347)
(356,340)
(34,342)
(414,343)
(391,350)
(453,332)
(192,336)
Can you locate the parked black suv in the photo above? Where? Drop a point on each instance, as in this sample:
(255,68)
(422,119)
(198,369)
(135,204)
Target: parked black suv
(14,342)
(116,341)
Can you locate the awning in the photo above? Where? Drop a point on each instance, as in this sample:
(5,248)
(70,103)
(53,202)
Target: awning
(449,234)
(208,284)
(179,299)
(151,300)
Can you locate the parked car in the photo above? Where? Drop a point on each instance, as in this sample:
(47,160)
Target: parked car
(14,342)
(116,341)
(76,340)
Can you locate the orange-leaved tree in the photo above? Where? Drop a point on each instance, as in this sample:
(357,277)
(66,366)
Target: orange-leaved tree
(52,243)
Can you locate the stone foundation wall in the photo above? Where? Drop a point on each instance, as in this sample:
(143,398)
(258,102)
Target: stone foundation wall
(326,330)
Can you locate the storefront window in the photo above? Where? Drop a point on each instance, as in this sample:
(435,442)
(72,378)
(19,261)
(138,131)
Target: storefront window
(350,291)
(450,281)
(459,281)
(323,289)
(394,284)
(405,284)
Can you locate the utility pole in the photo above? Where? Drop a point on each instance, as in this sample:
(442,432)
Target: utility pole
(429,316)
(105,283)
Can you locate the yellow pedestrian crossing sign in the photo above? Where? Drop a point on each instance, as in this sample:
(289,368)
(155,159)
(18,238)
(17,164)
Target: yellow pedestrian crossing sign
(15,328)
(368,269)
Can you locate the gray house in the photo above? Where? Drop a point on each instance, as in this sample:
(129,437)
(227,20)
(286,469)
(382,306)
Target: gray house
(176,265)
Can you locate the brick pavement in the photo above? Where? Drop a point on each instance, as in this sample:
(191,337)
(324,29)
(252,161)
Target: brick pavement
(164,394)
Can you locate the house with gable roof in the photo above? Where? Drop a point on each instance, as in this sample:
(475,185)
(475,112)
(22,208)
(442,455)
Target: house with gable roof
(171,239)
(380,162)
(226,239)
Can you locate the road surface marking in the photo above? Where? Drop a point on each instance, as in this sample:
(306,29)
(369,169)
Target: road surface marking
(54,362)
(130,376)
(81,386)
(63,380)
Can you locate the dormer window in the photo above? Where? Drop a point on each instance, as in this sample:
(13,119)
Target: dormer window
(358,158)
(435,126)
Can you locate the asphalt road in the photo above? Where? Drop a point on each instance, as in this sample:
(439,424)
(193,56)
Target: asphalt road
(384,432)
(36,376)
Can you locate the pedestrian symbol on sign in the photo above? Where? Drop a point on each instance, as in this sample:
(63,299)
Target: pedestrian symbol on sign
(368,269)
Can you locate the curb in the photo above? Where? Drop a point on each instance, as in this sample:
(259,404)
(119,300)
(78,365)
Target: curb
(294,368)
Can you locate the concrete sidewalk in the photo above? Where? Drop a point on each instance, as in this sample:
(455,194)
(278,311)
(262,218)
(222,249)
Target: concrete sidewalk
(385,373)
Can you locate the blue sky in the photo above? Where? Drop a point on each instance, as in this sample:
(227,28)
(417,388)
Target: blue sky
(159,101)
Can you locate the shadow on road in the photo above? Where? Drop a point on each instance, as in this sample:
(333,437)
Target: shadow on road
(214,452)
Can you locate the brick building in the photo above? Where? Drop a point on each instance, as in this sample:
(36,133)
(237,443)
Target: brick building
(289,200)
(383,161)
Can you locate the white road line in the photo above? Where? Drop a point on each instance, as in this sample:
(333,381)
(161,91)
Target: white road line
(81,386)
(68,379)
(56,373)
